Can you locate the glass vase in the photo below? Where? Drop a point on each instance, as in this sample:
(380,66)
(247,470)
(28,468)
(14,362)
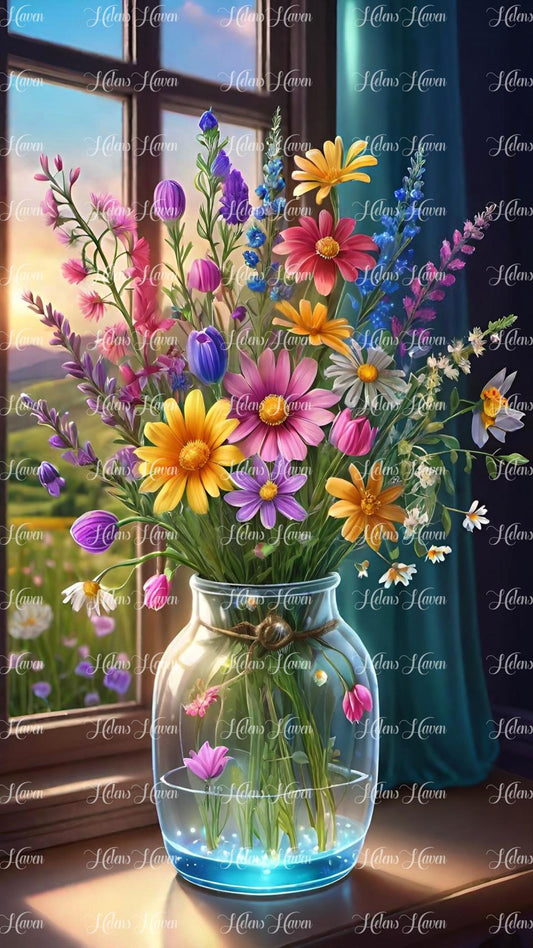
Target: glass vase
(265,746)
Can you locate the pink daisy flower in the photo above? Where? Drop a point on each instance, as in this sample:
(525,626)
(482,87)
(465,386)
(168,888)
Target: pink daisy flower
(92,305)
(115,341)
(102,202)
(146,316)
(318,250)
(277,412)
(122,221)
(74,271)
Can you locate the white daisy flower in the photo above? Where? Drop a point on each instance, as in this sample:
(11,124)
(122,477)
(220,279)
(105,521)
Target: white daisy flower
(399,573)
(30,620)
(428,476)
(365,375)
(475,517)
(475,339)
(415,519)
(91,595)
(436,554)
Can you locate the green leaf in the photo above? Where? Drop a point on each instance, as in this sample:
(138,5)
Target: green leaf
(492,467)
(394,554)
(448,482)
(419,547)
(514,458)
(454,399)
(446,520)
(450,442)
(300,758)
(453,457)
(468,462)
(503,323)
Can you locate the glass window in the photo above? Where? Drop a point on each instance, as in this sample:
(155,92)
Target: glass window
(214,40)
(89,26)
(48,642)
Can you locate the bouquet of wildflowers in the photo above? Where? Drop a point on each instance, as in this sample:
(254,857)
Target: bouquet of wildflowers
(266,436)
(258,428)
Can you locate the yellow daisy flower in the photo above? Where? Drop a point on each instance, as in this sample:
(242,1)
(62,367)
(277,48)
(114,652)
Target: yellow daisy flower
(315,324)
(366,509)
(188,453)
(323,170)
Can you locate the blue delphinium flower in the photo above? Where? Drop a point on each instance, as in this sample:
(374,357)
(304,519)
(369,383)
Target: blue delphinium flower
(256,283)
(208,121)
(255,237)
(251,258)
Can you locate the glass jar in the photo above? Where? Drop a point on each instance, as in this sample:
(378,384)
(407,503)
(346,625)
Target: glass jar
(265,739)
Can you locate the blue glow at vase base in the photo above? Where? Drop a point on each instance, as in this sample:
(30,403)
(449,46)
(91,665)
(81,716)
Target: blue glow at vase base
(231,868)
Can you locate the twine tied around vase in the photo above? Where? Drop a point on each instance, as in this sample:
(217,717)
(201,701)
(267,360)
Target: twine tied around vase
(273,632)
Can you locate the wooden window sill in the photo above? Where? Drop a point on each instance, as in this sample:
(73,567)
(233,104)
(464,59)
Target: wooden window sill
(120,890)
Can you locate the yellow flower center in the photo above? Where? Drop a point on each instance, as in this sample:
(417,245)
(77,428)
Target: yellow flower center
(268,491)
(273,410)
(91,588)
(493,401)
(194,455)
(370,504)
(367,372)
(327,247)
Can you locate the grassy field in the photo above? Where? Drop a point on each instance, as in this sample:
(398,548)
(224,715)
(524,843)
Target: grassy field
(43,559)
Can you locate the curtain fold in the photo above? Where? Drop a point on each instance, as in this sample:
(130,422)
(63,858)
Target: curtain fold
(435,718)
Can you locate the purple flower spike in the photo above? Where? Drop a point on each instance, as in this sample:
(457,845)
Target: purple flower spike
(117,679)
(209,762)
(235,207)
(268,493)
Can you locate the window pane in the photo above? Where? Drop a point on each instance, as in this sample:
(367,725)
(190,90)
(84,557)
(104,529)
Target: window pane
(46,639)
(213,40)
(90,26)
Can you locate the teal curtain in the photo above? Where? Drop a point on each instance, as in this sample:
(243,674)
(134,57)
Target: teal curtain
(434,717)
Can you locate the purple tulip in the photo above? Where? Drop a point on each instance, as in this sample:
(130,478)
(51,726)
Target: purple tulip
(156,591)
(41,689)
(209,762)
(207,355)
(117,679)
(95,531)
(91,698)
(50,478)
(204,275)
(208,121)
(169,200)
(352,436)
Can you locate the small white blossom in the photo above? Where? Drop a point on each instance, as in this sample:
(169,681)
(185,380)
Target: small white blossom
(475,339)
(427,475)
(475,518)
(414,520)
(436,554)
(30,620)
(398,573)
(91,595)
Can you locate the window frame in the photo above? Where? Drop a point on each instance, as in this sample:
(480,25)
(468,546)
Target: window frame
(309,113)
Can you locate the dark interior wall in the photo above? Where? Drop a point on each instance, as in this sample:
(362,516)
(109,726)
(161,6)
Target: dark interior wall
(496,47)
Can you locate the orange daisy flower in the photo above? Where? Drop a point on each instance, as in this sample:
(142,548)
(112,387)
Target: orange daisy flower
(367,509)
(323,170)
(314,324)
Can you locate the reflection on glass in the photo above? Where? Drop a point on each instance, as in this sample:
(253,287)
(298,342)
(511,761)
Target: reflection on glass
(90,26)
(213,40)
(49,643)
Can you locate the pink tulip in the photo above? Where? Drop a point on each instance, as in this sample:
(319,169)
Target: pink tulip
(356,702)
(209,762)
(156,591)
(204,275)
(352,436)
